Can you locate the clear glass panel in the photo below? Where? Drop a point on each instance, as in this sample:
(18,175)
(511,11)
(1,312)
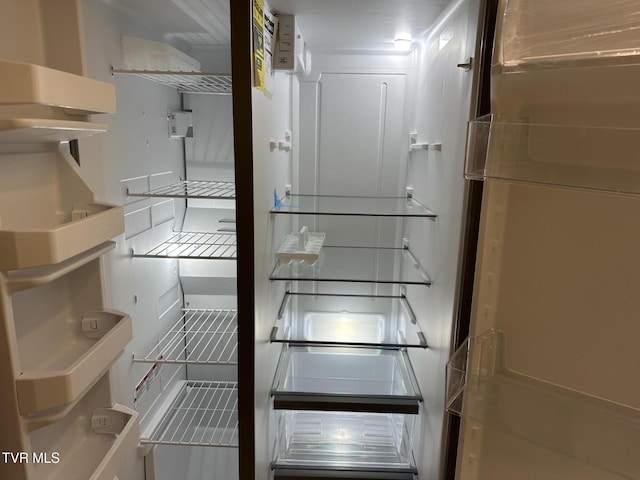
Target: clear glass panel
(357,264)
(587,157)
(345,205)
(548,32)
(592,430)
(344,439)
(347,320)
(327,376)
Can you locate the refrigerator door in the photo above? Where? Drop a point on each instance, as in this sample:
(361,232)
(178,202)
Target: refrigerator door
(542,386)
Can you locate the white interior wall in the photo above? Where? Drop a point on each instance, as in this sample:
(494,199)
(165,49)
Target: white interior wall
(209,156)
(438,110)
(271,170)
(350,142)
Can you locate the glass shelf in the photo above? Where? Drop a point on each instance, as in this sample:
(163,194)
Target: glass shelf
(195,245)
(572,156)
(193,189)
(352,206)
(597,432)
(357,380)
(347,320)
(199,336)
(185,82)
(357,264)
(203,414)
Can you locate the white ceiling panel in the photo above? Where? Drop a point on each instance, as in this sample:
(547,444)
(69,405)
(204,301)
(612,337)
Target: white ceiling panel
(212,16)
(325,24)
(360,24)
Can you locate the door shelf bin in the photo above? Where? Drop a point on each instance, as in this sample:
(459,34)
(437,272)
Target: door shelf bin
(344,441)
(545,414)
(62,381)
(198,413)
(87,225)
(29,84)
(92,439)
(347,320)
(64,337)
(562,155)
(199,337)
(47,212)
(345,379)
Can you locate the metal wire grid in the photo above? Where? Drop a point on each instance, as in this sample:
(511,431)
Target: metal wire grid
(200,245)
(203,414)
(186,82)
(193,189)
(205,337)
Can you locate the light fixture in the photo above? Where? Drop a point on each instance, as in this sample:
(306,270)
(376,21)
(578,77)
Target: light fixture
(402,43)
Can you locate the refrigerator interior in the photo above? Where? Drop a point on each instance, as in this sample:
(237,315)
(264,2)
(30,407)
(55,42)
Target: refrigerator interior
(544,383)
(404,128)
(378,140)
(168,159)
(399,146)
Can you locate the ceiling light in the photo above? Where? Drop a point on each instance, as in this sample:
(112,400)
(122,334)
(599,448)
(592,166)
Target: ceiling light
(403,43)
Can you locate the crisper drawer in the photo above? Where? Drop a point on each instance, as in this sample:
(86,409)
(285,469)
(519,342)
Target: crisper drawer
(312,444)
(345,379)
